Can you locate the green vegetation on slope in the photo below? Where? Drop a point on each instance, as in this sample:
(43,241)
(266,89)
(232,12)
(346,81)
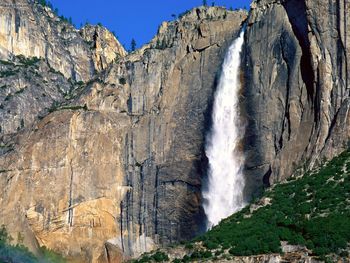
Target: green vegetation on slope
(313,211)
(19,253)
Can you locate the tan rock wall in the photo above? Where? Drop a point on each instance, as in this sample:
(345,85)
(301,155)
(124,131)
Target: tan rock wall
(124,175)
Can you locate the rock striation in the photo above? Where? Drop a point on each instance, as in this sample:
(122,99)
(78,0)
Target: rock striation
(102,152)
(44,62)
(105,48)
(33,30)
(296,87)
(95,177)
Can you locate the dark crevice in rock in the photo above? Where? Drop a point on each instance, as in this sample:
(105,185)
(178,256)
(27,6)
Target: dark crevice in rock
(200,34)
(155,201)
(342,61)
(129,104)
(266,178)
(141,205)
(74,73)
(296,11)
(198,13)
(101,62)
(95,37)
(317,100)
(345,45)
(332,126)
(286,119)
(107,254)
(276,144)
(70,208)
(17,21)
(121,226)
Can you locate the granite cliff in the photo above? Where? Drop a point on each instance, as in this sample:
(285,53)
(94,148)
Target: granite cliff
(296,87)
(102,152)
(44,62)
(121,157)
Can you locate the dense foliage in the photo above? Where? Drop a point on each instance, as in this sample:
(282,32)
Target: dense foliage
(156,257)
(313,211)
(19,253)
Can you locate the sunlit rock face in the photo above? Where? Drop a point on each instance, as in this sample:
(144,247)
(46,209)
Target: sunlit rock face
(32,30)
(65,58)
(116,168)
(105,47)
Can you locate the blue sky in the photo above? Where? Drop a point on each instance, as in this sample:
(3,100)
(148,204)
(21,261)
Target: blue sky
(138,19)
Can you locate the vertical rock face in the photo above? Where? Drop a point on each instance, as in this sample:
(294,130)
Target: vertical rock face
(104,45)
(44,61)
(169,103)
(115,166)
(28,89)
(32,30)
(118,168)
(296,86)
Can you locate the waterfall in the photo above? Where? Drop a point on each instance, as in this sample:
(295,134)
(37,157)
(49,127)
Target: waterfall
(224,193)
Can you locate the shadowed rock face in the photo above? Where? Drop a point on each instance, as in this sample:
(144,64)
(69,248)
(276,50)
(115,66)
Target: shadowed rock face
(116,165)
(117,168)
(296,86)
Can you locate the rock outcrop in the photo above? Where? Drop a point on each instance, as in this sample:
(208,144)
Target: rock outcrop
(296,86)
(32,30)
(29,89)
(105,48)
(102,153)
(117,169)
(44,62)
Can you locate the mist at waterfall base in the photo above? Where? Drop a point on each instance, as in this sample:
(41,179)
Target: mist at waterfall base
(223,195)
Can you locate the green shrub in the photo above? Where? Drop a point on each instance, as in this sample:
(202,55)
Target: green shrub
(293,216)
(8,73)
(160,257)
(122,81)
(189,246)
(51,256)
(28,61)
(210,244)
(19,253)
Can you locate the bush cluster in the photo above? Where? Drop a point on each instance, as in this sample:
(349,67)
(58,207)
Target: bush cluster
(312,211)
(19,253)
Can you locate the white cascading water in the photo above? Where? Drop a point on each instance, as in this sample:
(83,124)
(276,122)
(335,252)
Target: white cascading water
(224,193)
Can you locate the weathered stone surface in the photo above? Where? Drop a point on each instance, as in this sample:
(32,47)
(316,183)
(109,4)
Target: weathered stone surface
(68,183)
(31,87)
(105,47)
(296,86)
(118,165)
(29,29)
(123,163)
